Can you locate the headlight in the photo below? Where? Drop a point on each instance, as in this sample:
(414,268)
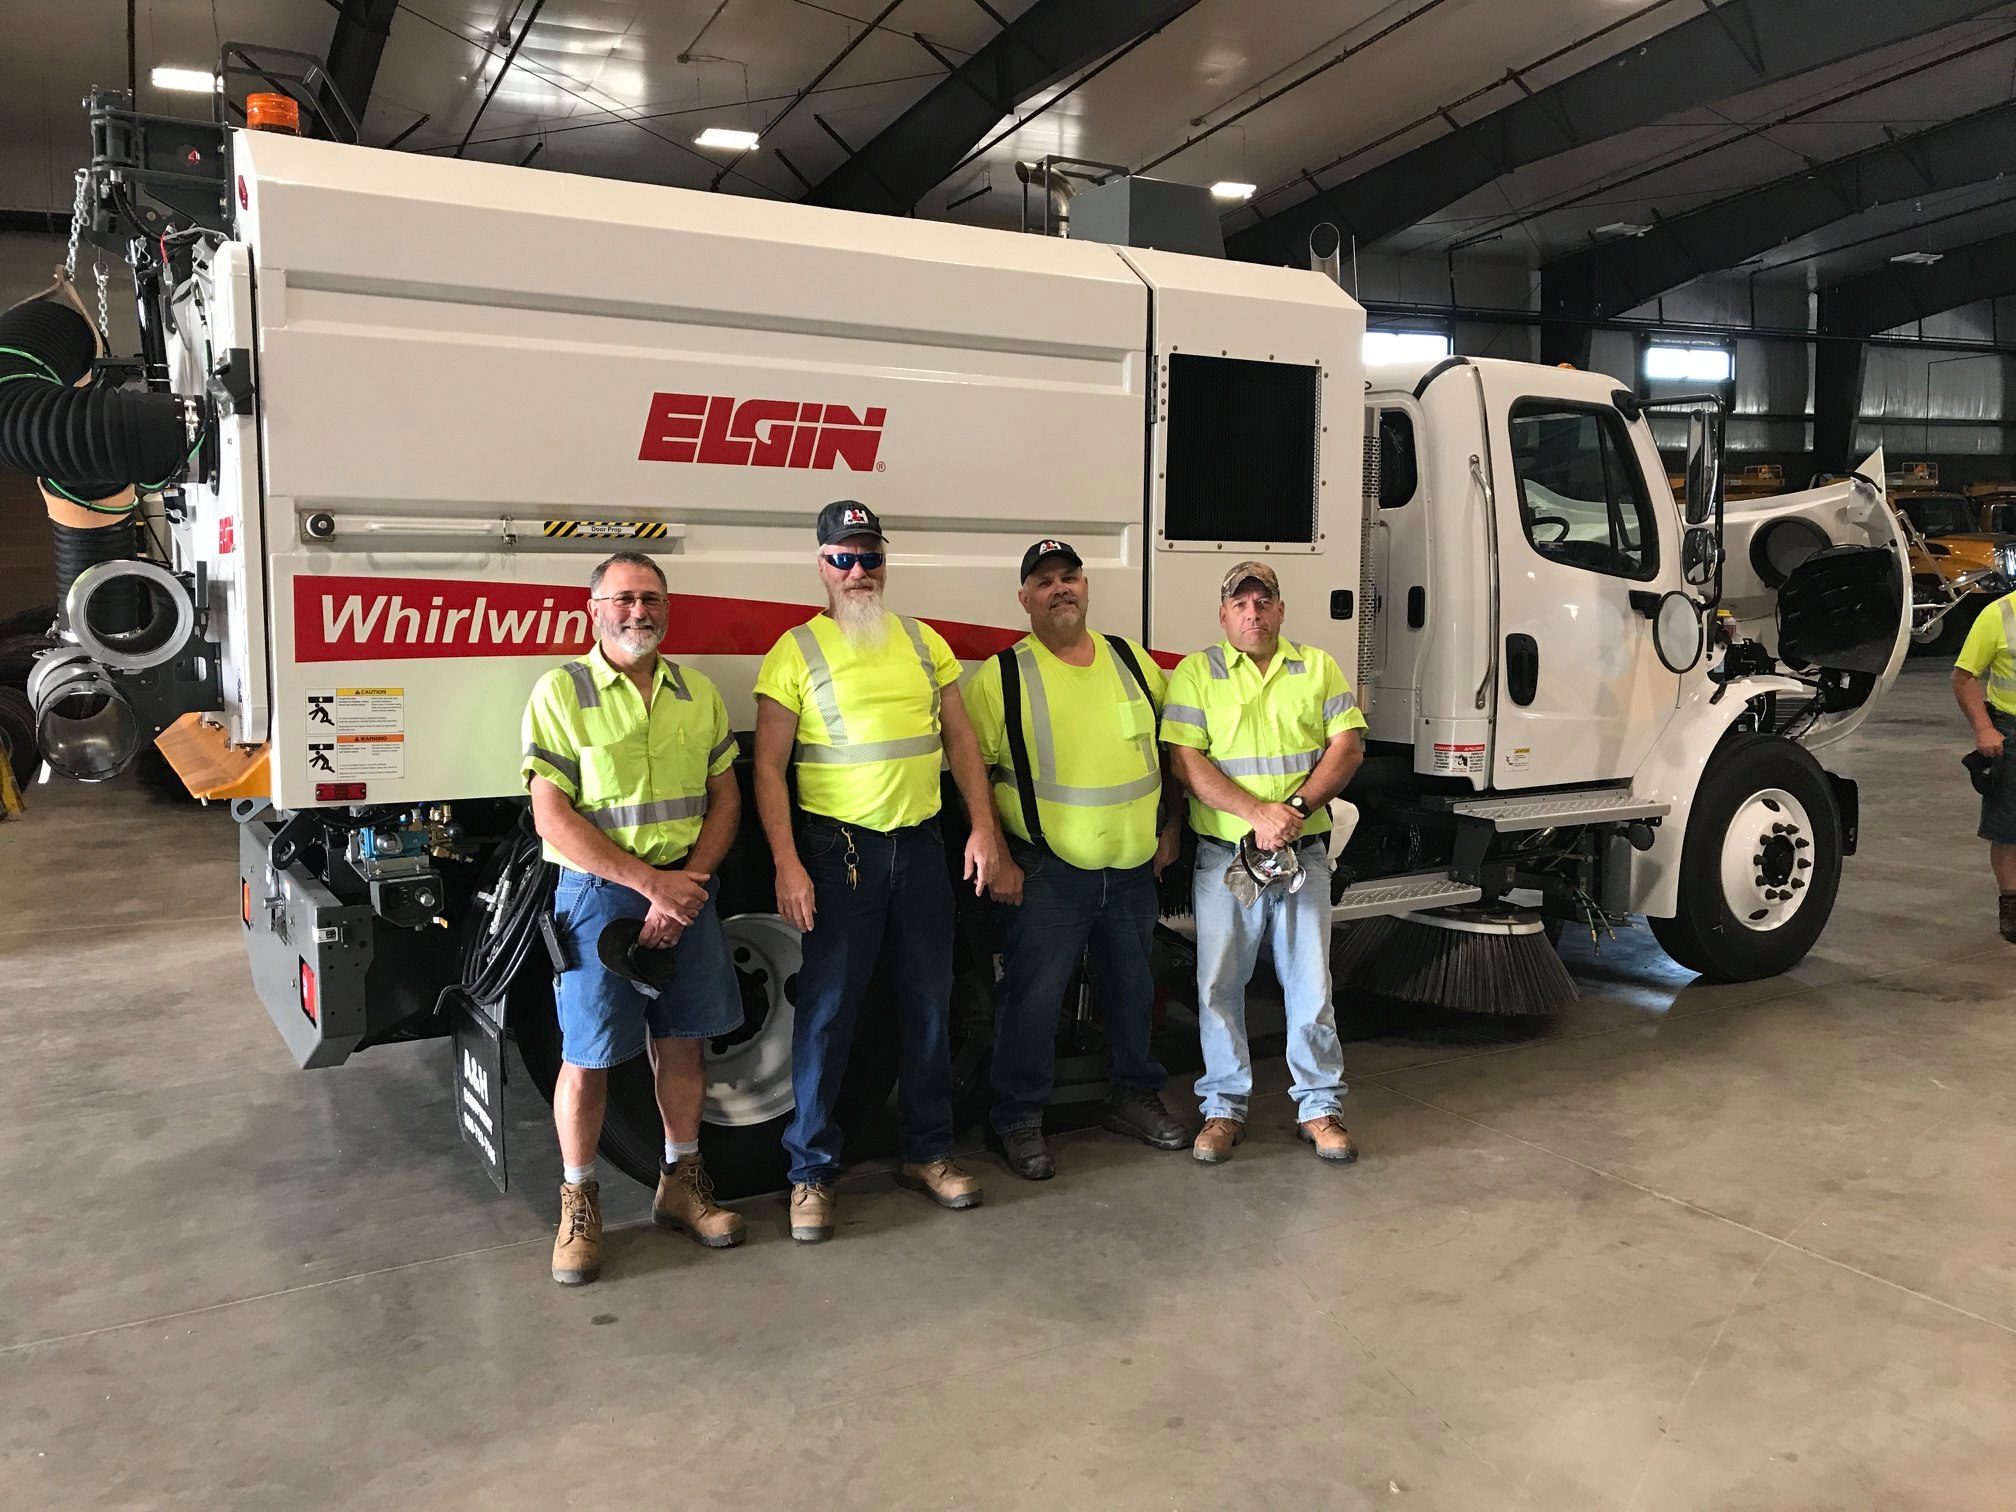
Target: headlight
(2005,561)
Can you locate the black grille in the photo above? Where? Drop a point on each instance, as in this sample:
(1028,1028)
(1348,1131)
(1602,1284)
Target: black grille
(1242,450)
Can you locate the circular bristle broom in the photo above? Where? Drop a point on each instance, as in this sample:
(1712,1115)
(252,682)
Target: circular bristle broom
(1478,960)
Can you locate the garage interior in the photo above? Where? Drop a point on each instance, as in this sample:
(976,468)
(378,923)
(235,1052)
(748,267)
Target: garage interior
(1684,1244)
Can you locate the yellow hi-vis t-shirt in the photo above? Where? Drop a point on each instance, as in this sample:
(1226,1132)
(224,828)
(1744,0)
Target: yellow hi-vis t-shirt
(640,778)
(1989,652)
(1090,734)
(868,750)
(1264,732)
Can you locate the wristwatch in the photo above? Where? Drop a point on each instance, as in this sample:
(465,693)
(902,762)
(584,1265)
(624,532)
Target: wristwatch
(1295,802)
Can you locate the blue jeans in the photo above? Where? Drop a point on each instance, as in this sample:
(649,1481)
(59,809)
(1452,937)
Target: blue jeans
(1296,927)
(897,912)
(1063,909)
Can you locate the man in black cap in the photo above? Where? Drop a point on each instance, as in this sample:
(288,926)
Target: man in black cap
(862,704)
(1066,721)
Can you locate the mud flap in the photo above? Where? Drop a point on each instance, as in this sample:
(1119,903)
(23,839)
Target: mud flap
(479,1081)
(1838,613)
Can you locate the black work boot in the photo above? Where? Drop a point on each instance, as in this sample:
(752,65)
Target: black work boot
(1025,1153)
(1140,1115)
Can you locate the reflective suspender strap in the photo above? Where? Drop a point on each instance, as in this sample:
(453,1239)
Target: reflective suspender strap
(821,675)
(678,682)
(916,634)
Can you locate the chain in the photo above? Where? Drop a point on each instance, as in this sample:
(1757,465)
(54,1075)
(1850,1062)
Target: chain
(76,228)
(104,309)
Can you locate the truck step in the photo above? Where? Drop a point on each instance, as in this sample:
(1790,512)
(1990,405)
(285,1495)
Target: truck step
(1543,810)
(1408,894)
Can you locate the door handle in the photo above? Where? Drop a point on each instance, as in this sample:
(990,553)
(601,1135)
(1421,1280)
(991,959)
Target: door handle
(1522,668)
(1645,603)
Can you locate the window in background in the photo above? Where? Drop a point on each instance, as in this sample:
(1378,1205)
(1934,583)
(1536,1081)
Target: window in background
(1406,346)
(1689,364)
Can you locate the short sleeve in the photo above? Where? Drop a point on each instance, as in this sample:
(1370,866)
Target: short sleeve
(1340,704)
(1984,639)
(721,754)
(1183,706)
(550,748)
(982,692)
(782,675)
(943,662)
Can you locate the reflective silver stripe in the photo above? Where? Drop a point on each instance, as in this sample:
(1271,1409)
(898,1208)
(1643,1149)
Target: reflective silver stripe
(1045,752)
(822,683)
(586,694)
(630,815)
(916,634)
(1269,766)
(1083,797)
(1215,655)
(1294,668)
(2006,686)
(725,745)
(1343,703)
(678,682)
(566,766)
(868,750)
(1184,714)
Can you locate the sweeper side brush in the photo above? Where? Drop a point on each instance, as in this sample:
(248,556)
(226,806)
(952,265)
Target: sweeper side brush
(1479,960)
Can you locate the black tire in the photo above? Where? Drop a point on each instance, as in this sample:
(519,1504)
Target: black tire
(17,735)
(17,657)
(1953,629)
(1707,935)
(28,622)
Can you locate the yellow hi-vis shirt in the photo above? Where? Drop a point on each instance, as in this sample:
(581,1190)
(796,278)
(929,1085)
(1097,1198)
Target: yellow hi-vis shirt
(1090,735)
(868,750)
(1264,732)
(1989,652)
(639,777)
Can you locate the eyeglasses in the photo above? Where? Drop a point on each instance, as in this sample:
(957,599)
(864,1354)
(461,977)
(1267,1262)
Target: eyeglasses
(845,561)
(653,602)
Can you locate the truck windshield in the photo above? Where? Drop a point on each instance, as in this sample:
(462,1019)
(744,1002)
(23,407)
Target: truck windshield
(1940,514)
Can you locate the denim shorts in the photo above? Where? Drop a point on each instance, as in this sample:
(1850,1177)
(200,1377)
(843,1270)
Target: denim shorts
(604,1017)
(1998,804)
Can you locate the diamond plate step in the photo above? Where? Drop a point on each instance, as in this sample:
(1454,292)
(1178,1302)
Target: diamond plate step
(1392,895)
(1521,812)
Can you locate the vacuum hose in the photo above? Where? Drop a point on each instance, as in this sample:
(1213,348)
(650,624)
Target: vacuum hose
(93,442)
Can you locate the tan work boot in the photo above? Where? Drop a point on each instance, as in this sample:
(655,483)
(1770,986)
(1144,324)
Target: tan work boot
(1332,1140)
(685,1200)
(940,1180)
(1215,1140)
(577,1250)
(812,1204)
(2008,917)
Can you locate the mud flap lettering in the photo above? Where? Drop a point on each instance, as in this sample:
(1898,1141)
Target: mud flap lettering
(478,1082)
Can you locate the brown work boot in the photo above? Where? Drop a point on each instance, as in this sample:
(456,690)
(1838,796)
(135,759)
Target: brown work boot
(2009,917)
(686,1201)
(812,1205)
(942,1181)
(577,1251)
(1215,1140)
(1332,1140)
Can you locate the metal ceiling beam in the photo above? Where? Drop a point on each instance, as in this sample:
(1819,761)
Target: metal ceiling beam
(1734,46)
(1897,294)
(1616,276)
(355,48)
(1047,42)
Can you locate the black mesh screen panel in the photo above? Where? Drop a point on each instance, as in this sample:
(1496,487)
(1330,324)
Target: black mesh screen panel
(1242,450)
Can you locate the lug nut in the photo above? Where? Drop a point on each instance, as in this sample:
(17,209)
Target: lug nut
(1802,844)
(1805,865)
(1796,882)
(1777,829)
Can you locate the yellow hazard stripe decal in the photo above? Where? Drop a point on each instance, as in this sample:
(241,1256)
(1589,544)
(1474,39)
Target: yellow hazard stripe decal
(613,530)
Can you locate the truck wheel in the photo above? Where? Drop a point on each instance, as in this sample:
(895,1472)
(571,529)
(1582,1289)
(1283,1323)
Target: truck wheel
(17,736)
(1760,865)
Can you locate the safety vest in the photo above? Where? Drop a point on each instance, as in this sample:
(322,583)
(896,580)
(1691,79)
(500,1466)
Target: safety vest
(638,776)
(1265,732)
(1095,769)
(868,749)
(2000,686)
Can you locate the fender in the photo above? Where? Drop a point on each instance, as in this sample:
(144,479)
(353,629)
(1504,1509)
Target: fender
(1648,882)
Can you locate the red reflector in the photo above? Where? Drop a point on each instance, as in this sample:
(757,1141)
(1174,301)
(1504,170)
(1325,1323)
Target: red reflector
(245,903)
(339,792)
(308,991)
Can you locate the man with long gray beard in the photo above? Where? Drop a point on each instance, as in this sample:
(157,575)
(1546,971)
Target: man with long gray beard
(862,704)
(630,766)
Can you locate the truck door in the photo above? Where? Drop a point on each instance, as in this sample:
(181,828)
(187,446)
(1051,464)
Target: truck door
(1586,547)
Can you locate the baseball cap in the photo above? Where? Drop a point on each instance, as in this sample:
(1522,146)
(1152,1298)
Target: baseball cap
(1044,549)
(1259,572)
(848,517)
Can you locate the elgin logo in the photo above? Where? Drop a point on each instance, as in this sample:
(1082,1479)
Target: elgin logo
(760,433)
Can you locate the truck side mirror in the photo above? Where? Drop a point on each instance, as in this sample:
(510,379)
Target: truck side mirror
(1700,555)
(1704,465)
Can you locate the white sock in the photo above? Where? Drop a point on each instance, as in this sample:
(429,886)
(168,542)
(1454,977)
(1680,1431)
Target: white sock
(678,1150)
(575,1175)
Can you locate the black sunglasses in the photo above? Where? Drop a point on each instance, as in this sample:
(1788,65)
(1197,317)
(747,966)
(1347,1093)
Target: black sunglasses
(844,561)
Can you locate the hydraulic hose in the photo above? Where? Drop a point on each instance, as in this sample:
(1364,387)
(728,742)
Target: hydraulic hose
(511,894)
(90,443)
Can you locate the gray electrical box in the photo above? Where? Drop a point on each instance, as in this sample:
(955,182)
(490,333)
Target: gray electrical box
(1144,212)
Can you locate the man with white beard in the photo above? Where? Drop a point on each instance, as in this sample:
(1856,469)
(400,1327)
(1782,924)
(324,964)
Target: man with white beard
(862,704)
(630,766)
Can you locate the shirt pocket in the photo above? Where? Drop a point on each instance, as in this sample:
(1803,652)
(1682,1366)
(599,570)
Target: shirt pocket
(1137,718)
(1223,722)
(608,772)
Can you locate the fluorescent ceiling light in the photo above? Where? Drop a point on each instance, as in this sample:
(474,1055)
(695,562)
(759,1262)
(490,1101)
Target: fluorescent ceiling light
(727,136)
(1689,364)
(1225,189)
(1405,346)
(1919,259)
(1622,228)
(194,80)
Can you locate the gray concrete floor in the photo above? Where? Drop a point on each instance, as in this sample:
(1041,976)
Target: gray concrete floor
(1695,1247)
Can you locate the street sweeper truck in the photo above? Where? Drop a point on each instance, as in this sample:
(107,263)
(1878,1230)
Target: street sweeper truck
(397,406)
